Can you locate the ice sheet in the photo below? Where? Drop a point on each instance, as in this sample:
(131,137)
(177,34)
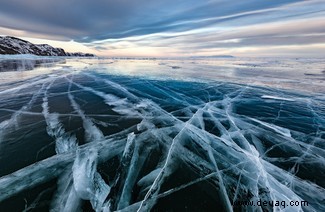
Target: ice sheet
(98,135)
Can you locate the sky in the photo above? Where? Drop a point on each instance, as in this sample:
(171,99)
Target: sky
(170,28)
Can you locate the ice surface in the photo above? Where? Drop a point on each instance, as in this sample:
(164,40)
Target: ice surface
(277,98)
(103,135)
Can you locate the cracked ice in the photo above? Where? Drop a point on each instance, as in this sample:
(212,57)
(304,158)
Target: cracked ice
(76,138)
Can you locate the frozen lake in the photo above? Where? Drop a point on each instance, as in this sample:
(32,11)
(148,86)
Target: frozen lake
(161,135)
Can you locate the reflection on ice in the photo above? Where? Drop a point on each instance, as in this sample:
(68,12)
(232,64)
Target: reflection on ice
(96,137)
(26,64)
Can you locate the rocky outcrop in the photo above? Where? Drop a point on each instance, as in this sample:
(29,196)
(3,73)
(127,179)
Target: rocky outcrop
(79,54)
(12,45)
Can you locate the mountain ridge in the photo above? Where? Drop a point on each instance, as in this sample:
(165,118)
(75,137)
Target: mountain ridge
(12,46)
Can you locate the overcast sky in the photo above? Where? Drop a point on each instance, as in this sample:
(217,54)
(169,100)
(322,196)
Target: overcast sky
(171,27)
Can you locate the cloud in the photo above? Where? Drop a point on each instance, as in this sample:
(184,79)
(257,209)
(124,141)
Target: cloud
(103,19)
(100,48)
(191,24)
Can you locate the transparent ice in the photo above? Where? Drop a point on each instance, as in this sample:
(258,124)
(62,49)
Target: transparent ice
(117,135)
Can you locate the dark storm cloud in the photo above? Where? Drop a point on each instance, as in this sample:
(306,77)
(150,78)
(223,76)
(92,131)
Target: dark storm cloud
(104,19)
(71,18)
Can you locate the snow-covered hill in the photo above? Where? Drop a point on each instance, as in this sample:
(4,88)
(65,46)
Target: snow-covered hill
(12,45)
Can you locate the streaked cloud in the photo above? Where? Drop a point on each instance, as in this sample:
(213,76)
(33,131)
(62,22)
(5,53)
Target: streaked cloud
(170,27)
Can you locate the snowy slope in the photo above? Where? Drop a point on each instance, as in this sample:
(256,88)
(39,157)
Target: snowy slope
(12,45)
